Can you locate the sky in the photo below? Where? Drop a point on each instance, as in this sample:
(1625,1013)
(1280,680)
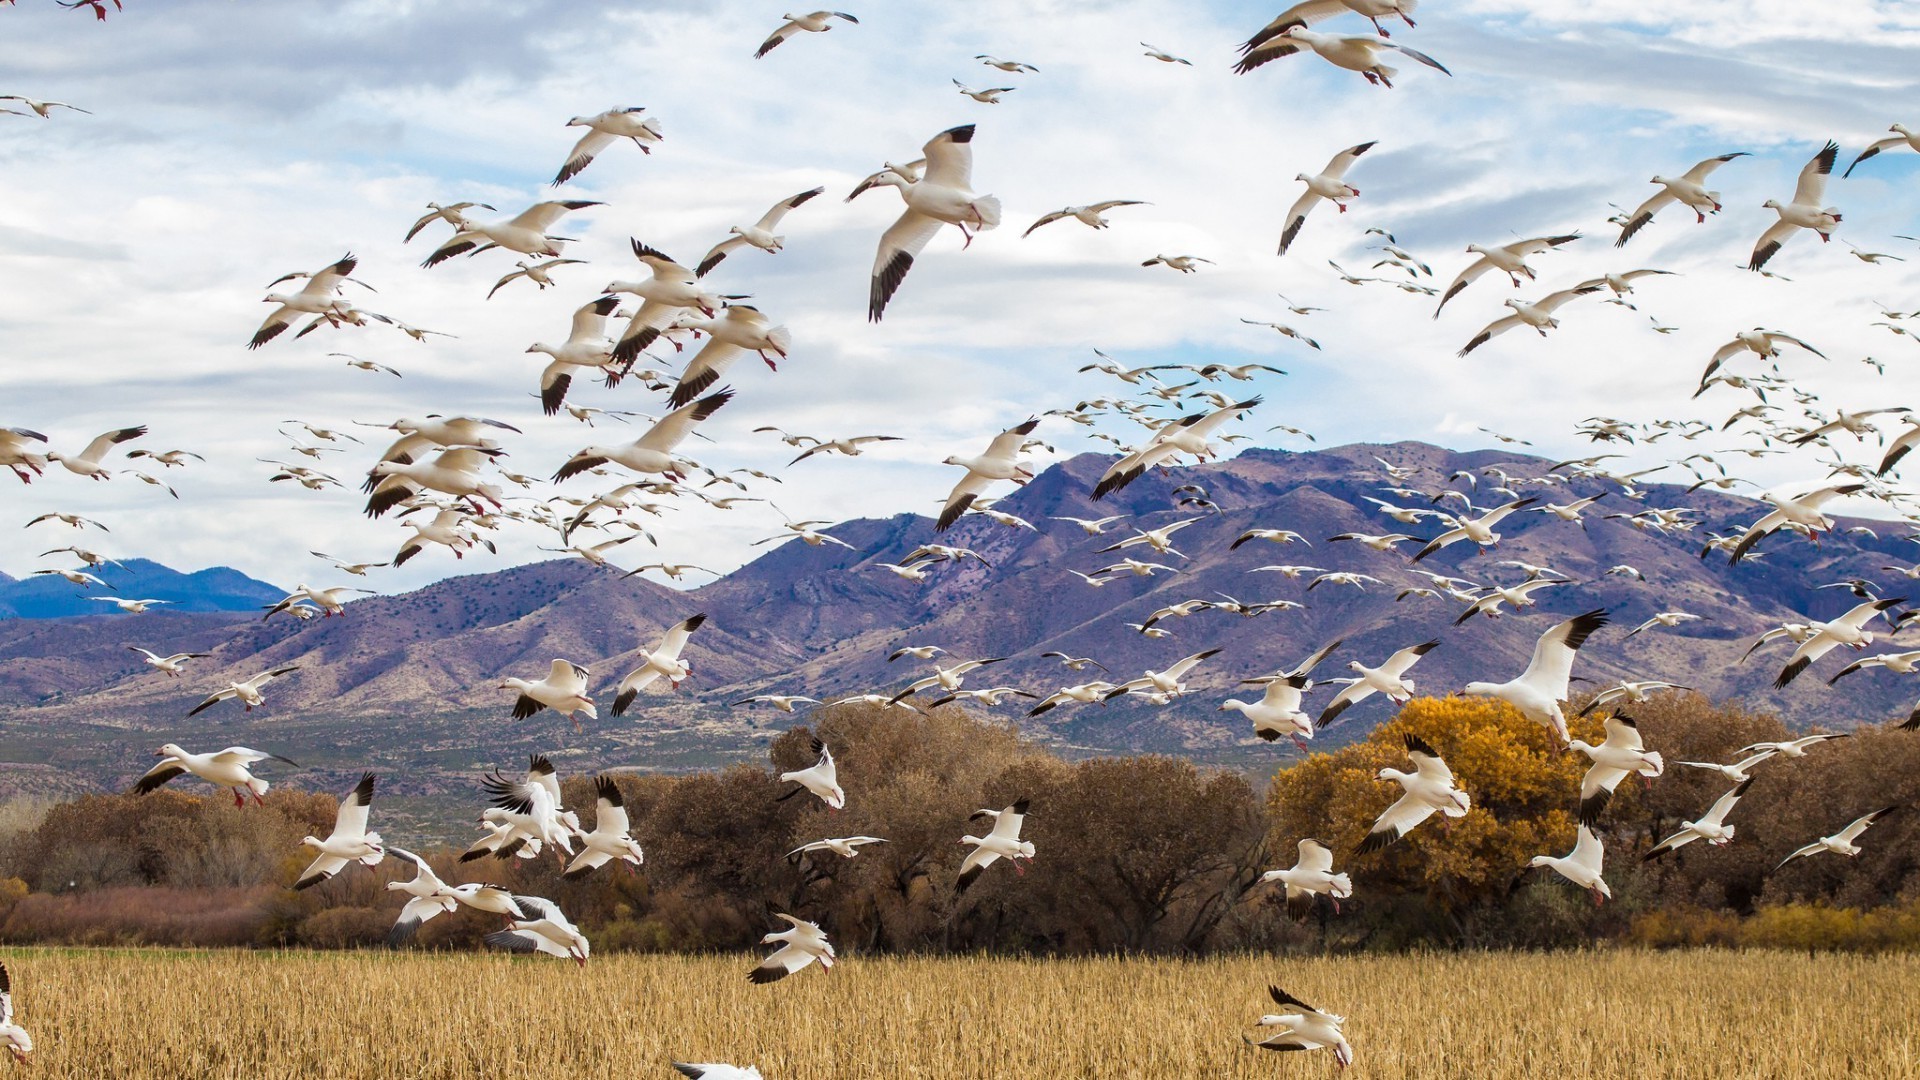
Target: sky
(231,143)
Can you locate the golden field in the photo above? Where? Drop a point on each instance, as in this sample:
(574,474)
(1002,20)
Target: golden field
(152,1013)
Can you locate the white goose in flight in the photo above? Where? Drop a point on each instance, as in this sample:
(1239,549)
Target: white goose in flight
(525,233)
(1000,461)
(12,1035)
(174,665)
(1308,1029)
(739,330)
(603,130)
(223,768)
(801,943)
(1477,529)
(1002,842)
(587,346)
(453,214)
(1689,188)
(319,296)
(428,896)
(609,840)
(653,451)
(1354,52)
(247,691)
(564,690)
(91,461)
(818,22)
(1842,842)
(1902,136)
(944,196)
(1089,215)
(1539,691)
(1510,259)
(545,929)
(1618,756)
(1278,711)
(1311,875)
(1187,435)
(759,234)
(1804,212)
(1390,678)
(1538,314)
(40,108)
(663,662)
(1309,12)
(821,779)
(1427,789)
(349,842)
(1580,866)
(1712,826)
(1799,506)
(844,846)
(453,471)
(1169,680)
(1849,629)
(1329,184)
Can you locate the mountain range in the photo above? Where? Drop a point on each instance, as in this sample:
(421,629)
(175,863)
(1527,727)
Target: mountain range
(217,588)
(411,680)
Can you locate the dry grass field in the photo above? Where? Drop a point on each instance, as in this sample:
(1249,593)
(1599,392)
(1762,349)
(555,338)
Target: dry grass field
(140,1013)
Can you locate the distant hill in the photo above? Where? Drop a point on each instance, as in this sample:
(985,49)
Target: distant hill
(218,588)
(413,678)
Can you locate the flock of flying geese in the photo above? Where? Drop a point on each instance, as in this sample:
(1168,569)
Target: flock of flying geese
(445,477)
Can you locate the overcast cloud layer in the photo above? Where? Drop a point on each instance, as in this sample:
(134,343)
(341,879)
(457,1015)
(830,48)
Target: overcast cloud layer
(231,143)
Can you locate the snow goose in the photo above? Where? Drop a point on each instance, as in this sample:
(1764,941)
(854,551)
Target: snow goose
(530,809)
(1762,343)
(453,214)
(18,1042)
(525,233)
(131,607)
(662,662)
(739,330)
(330,602)
(1791,748)
(1666,619)
(989,96)
(546,929)
(653,451)
(1804,212)
(1163,56)
(587,346)
(1097,526)
(423,433)
(850,447)
(990,696)
(428,897)
(1570,511)
(1428,788)
(564,690)
(1074,663)
(320,296)
(1538,314)
(1619,755)
(1479,529)
(41,108)
(1689,187)
(1510,259)
(1309,1029)
(1169,680)
(818,22)
(223,768)
(1329,184)
(668,292)
(944,195)
(91,461)
(1539,691)
(1011,67)
(603,130)
(1389,679)
(1309,12)
(1276,536)
(1085,693)
(1902,136)
(1580,866)
(1738,771)
(77,577)
(1711,827)
(820,779)
(783,702)
(1520,596)
(1798,506)
(1311,875)
(447,528)
(1278,711)
(1002,842)
(454,471)
(1632,690)
(1842,842)
(947,677)
(714,1070)
(1187,435)
(1160,539)
(248,691)
(534,272)
(609,839)
(1186,264)
(17,453)
(349,842)
(844,846)
(1354,52)
(1000,461)
(1900,663)
(356,569)
(759,234)
(801,943)
(168,665)
(1089,215)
